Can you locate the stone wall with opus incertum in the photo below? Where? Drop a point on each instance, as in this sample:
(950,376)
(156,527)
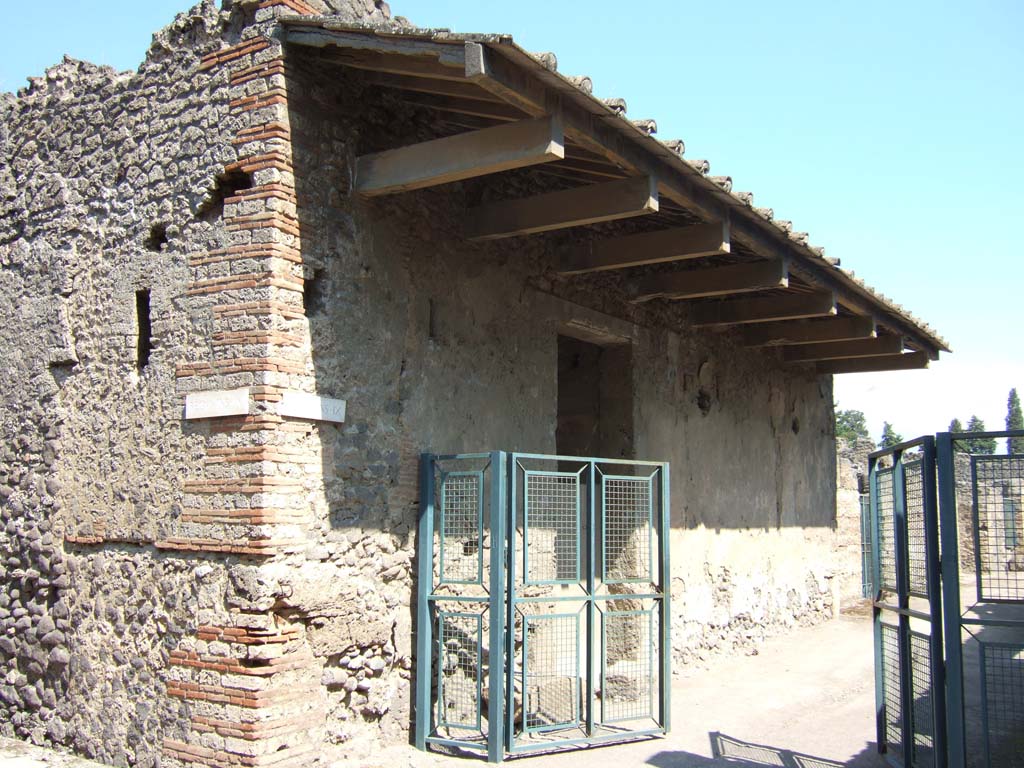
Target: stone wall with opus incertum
(220,368)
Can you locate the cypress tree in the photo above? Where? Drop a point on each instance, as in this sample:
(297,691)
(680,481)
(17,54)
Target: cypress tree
(890,436)
(1014,420)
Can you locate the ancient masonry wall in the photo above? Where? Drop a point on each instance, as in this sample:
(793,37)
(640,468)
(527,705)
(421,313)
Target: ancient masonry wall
(851,484)
(454,349)
(134,623)
(236,589)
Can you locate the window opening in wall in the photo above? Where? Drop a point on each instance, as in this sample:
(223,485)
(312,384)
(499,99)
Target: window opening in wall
(312,293)
(595,399)
(157,237)
(145,328)
(227,185)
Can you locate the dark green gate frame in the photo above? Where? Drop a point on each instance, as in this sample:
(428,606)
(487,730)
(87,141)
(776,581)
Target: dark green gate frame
(898,698)
(895,644)
(512,603)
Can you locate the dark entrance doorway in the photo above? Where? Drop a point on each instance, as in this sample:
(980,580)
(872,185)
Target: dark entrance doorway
(595,399)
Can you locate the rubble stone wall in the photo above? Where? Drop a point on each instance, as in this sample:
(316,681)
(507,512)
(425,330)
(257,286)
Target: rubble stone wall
(446,346)
(101,174)
(851,484)
(238,589)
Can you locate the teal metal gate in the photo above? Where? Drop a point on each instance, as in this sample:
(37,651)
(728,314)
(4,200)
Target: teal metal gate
(543,605)
(949,631)
(909,671)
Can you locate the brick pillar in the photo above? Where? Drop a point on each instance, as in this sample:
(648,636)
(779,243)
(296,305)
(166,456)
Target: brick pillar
(251,682)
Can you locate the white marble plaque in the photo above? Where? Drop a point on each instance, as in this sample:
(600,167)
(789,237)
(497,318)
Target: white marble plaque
(217,402)
(302,405)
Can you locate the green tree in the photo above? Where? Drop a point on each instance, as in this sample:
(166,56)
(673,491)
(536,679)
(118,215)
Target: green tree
(851,425)
(1014,420)
(979,445)
(957,426)
(890,436)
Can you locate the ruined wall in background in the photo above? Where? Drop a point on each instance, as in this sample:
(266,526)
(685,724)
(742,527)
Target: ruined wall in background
(851,484)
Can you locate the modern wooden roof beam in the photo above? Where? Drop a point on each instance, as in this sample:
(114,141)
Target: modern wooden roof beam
(397,56)
(905,362)
(809,331)
(717,281)
(496,64)
(463,156)
(843,350)
(656,247)
(462,106)
(458,90)
(565,208)
(500,76)
(764,309)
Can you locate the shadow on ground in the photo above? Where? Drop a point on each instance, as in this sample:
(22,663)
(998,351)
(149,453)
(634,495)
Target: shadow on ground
(733,752)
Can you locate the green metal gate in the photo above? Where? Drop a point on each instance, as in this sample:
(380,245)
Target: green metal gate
(543,606)
(949,631)
(909,670)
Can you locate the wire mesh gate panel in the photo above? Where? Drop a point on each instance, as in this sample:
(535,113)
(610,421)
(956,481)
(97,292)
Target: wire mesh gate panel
(542,608)
(909,690)
(981,502)
(949,632)
(460,587)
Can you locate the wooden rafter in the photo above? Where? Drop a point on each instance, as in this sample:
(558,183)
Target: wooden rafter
(462,106)
(905,362)
(463,156)
(843,350)
(499,75)
(562,209)
(495,65)
(715,281)
(764,309)
(406,66)
(460,90)
(656,247)
(809,331)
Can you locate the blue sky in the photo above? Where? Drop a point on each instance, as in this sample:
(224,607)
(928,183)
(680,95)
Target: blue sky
(891,132)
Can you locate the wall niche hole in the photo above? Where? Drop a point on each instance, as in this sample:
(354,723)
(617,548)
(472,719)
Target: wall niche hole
(145,328)
(312,293)
(795,426)
(226,185)
(157,238)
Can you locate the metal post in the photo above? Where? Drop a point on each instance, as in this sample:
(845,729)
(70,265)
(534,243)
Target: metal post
(876,612)
(666,602)
(979,582)
(496,657)
(591,587)
(424,586)
(933,571)
(510,607)
(954,674)
(899,518)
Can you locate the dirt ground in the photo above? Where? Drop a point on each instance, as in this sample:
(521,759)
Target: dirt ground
(806,700)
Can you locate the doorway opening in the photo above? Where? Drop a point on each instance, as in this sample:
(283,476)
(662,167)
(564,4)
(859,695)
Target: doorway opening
(595,399)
